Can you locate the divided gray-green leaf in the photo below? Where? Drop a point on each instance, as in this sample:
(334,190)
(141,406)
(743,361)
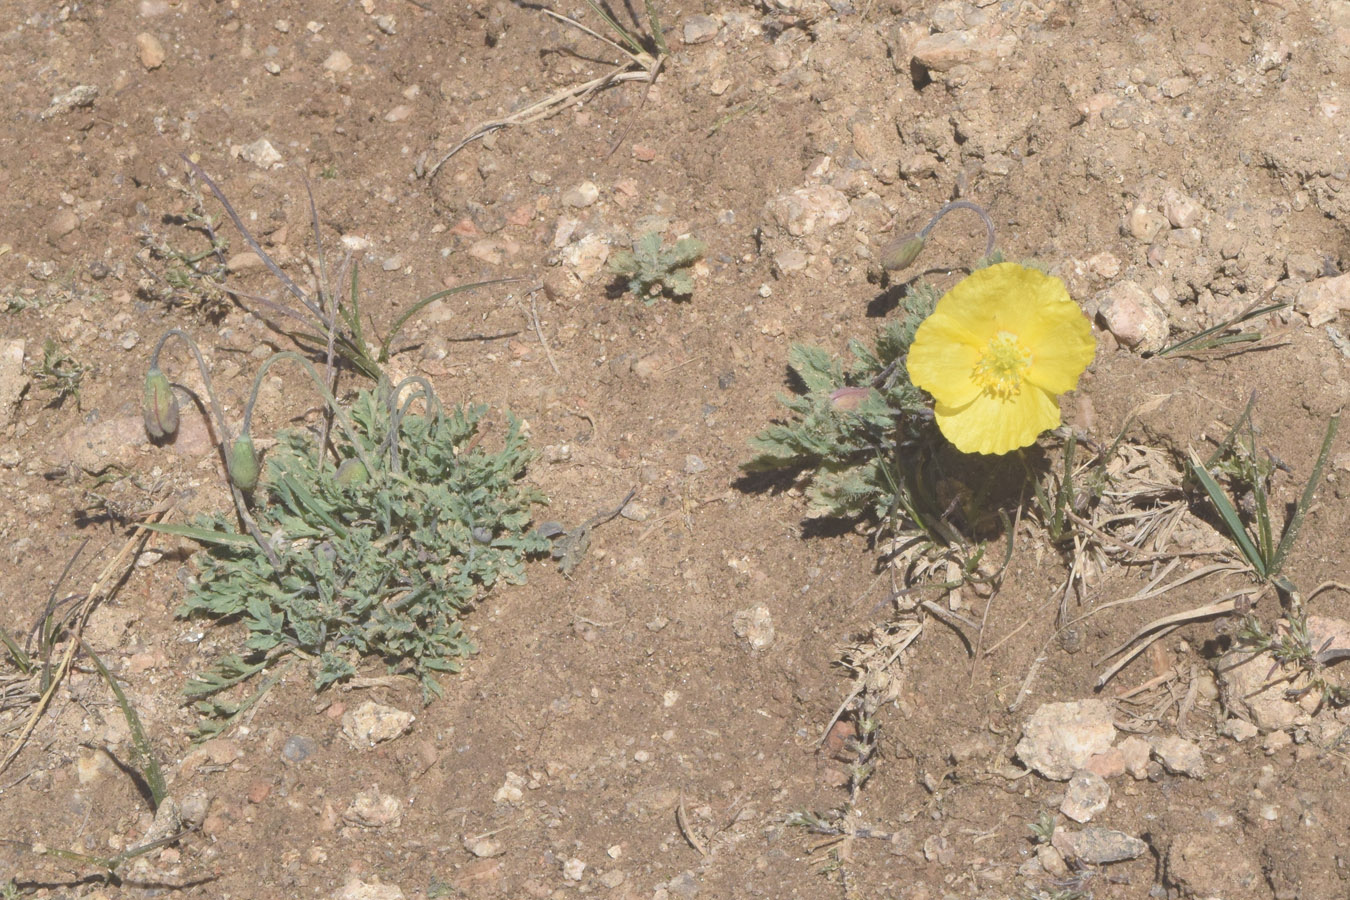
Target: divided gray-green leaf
(654,269)
(381,568)
(849,418)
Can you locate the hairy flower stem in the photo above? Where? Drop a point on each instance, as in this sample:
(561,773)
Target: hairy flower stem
(328,398)
(963,204)
(901,252)
(397,411)
(226,445)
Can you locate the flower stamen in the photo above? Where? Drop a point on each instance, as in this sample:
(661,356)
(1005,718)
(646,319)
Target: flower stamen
(1002,366)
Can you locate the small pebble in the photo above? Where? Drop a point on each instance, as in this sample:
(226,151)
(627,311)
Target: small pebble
(581,196)
(700,29)
(337,62)
(298,748)
(150,50)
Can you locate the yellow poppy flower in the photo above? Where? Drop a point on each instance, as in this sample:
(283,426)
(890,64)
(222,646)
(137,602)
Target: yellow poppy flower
(996,353)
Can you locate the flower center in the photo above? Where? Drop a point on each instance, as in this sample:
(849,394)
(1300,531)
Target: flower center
(1002,366)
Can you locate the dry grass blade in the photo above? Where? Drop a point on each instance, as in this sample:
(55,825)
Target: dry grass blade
(1160,628)
(106,581)
(542,109)
(641,66)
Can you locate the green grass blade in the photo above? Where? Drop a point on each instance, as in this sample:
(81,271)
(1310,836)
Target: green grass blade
(1064,497)
(1229,515)
(21,660)
(201,535)
(352,312)
(1305,501)
(1265,541)
(1206,340)
(628,39)
(143,753)
(422,304)
(658,36)
(1227,442)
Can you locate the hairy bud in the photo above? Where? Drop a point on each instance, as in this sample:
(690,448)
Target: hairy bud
(352,472)
(901,253)
(243,463)
(159,406)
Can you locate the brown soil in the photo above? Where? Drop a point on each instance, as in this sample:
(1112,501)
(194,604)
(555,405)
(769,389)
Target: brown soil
(640,722)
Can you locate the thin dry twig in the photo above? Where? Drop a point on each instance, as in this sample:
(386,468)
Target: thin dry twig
(682,820)
(112,574)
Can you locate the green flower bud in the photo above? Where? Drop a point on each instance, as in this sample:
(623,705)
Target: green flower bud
(243,463)
(159,406)
(352,472)
(901,253)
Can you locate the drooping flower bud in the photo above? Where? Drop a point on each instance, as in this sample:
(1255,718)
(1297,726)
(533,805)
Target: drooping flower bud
(243,463)
(352,472)
(159,406)
(901,253)
(848,399)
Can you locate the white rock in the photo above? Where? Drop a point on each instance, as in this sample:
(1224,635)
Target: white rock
(374,723)
(1098,846)
(1144,223)
(512,789)
(356,889)
(587,256)
(483,847)
(1323,300)
(12,380)
(1181,210)
(1059,738)
(1179,756)
(980,48)
(573,869)
(372,809)
(261,153)
(581,196)
(700,28)
(1132,317)
(1240,729)
(1086,795)
(1136,752)
(802,211)
(337,62)
(150,49)
(754,625)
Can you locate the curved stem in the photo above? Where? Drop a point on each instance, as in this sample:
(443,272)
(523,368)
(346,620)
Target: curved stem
(397,411)
(328,397)
(963,204)
(206,377)
(240,503)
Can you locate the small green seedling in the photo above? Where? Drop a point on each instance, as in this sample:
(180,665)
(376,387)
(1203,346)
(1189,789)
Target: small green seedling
(1291,646)
(60,375)
(652,269)
(192,278)
(1259,547)
(1043,829)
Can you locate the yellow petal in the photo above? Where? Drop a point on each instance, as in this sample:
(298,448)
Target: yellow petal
(1061,344)
(992,425)
(942,360)
(998,298)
